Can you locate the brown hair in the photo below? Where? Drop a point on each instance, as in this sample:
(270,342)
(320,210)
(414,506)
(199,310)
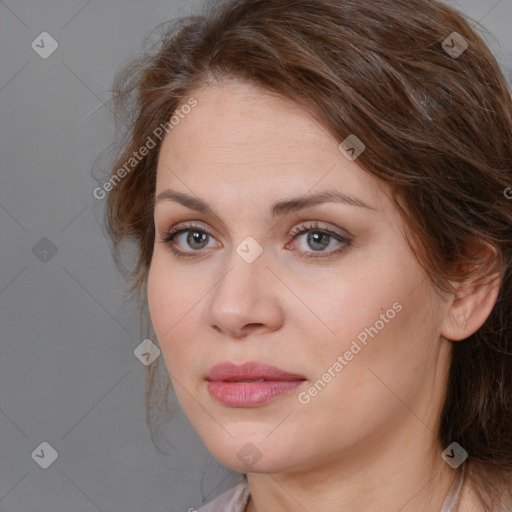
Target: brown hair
(437,128)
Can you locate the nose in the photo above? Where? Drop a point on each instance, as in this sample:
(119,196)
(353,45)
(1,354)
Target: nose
(246,300)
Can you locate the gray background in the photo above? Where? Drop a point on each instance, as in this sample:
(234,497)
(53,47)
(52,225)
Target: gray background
(68,375)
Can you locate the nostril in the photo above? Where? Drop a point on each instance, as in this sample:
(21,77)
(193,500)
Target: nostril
(252,326)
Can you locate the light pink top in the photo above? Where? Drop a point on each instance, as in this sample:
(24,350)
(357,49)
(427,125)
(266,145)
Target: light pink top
(233,500)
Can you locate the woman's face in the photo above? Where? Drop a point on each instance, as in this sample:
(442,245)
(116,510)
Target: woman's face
(329,292)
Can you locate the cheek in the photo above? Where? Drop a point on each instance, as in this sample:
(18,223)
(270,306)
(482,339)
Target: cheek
(343,309)
(380,318)
(173,307)
(384,341)
(165,302)
(158,297)
(354,385)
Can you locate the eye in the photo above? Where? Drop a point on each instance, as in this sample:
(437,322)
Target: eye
(196,238)
(318,239)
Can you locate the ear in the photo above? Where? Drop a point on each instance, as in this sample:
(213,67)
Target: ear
(473,299)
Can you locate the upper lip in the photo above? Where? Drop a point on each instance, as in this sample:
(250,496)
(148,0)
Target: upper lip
(249,371)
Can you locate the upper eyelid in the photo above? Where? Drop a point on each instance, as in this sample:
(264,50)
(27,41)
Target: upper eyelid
(187,226)
(297,214)
(298,230)
(302,225)
(315,224)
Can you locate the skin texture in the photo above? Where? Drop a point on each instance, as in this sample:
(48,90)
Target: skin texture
(368,440)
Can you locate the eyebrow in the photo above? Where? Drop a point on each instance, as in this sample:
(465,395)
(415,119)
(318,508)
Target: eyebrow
(279,208)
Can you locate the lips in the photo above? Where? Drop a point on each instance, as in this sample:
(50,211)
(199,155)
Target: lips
(250,384)
(251,371)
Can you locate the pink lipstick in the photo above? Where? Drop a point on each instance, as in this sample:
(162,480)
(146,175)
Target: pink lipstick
(250,384)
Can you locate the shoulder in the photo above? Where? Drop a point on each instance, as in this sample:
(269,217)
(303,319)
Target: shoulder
(487,488)
(233,500)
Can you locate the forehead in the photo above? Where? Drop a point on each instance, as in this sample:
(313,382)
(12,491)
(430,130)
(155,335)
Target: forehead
(246,121)
(242,135)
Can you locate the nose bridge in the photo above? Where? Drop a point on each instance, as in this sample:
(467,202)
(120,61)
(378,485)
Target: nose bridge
(244,276)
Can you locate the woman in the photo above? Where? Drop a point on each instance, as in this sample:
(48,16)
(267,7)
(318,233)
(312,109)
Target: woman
(316,190)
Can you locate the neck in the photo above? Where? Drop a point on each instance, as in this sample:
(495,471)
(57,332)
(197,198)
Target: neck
(404,475)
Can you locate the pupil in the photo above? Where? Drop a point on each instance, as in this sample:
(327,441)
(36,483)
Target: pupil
(313,237)
(196,237)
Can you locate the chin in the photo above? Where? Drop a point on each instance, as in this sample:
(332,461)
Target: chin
(252,450)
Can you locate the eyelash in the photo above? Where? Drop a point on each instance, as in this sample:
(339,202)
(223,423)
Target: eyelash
(295,233)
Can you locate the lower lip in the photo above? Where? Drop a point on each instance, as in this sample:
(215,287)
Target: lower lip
(250,394)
